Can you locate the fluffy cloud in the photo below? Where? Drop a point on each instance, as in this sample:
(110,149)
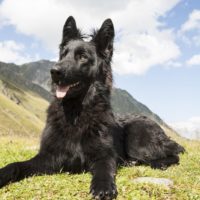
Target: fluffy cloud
(190,30)
(193,22)
(141,43)
(13,52)
(139,52)
(189,129)
(194,60)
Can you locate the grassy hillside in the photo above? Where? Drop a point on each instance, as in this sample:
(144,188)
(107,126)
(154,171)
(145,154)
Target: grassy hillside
(186,177)
(35,77)
(21,113)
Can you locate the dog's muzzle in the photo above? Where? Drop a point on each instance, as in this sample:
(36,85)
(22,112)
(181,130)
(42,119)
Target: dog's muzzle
(56,74)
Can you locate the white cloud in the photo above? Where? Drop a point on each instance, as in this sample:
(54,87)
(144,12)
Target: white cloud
(173,64)
(194,60)
(137,53)
(189,129)
(191,26)
(193,22)
(140,43)
(13,52)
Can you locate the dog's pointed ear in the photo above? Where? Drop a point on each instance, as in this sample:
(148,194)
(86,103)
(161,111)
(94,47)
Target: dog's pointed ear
(103,39)
(70,30)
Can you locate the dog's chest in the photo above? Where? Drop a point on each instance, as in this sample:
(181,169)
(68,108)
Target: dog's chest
(71,137)
(75,138)
(75,158)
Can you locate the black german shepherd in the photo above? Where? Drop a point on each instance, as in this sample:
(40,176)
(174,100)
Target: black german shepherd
(81,132)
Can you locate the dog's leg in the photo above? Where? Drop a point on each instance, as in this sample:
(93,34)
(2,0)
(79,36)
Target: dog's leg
(103,180)
(164,162)
(40,164)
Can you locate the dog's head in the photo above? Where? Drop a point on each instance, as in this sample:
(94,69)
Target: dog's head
(82,62)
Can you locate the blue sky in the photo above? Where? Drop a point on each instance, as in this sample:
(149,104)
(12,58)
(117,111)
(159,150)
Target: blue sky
(157,46)
(172,92)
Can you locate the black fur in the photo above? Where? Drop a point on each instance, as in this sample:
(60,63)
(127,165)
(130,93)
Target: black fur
(146,143)
(81,132)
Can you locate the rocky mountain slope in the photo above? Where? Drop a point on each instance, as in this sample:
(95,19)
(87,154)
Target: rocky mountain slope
(15,75)
(34,78)
(122,101)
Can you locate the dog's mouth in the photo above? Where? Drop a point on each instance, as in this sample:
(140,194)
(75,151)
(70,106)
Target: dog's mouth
(62,90)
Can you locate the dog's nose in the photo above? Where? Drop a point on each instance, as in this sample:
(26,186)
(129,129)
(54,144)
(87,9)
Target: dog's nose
(56,74)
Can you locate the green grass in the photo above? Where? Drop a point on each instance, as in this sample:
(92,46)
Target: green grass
(186,177)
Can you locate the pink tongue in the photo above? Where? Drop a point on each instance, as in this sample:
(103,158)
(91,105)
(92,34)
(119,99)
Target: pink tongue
(61,91)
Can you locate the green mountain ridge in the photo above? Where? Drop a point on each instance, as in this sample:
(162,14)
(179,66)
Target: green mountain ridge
(129,105)
(34,79)
(122,101)
(14,74)
(38,72)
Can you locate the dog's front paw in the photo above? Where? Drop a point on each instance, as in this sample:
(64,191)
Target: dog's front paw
(6,175)
(103,190)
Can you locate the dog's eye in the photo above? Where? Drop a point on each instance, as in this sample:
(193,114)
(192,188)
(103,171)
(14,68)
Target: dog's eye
(82,57)
(65,52)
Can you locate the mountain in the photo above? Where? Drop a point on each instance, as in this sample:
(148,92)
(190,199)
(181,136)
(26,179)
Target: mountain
(33,79)
(189,129)
(16,75)
(38,72)
(122,101)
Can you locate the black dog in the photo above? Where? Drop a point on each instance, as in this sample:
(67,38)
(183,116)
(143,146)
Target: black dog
(81,133)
